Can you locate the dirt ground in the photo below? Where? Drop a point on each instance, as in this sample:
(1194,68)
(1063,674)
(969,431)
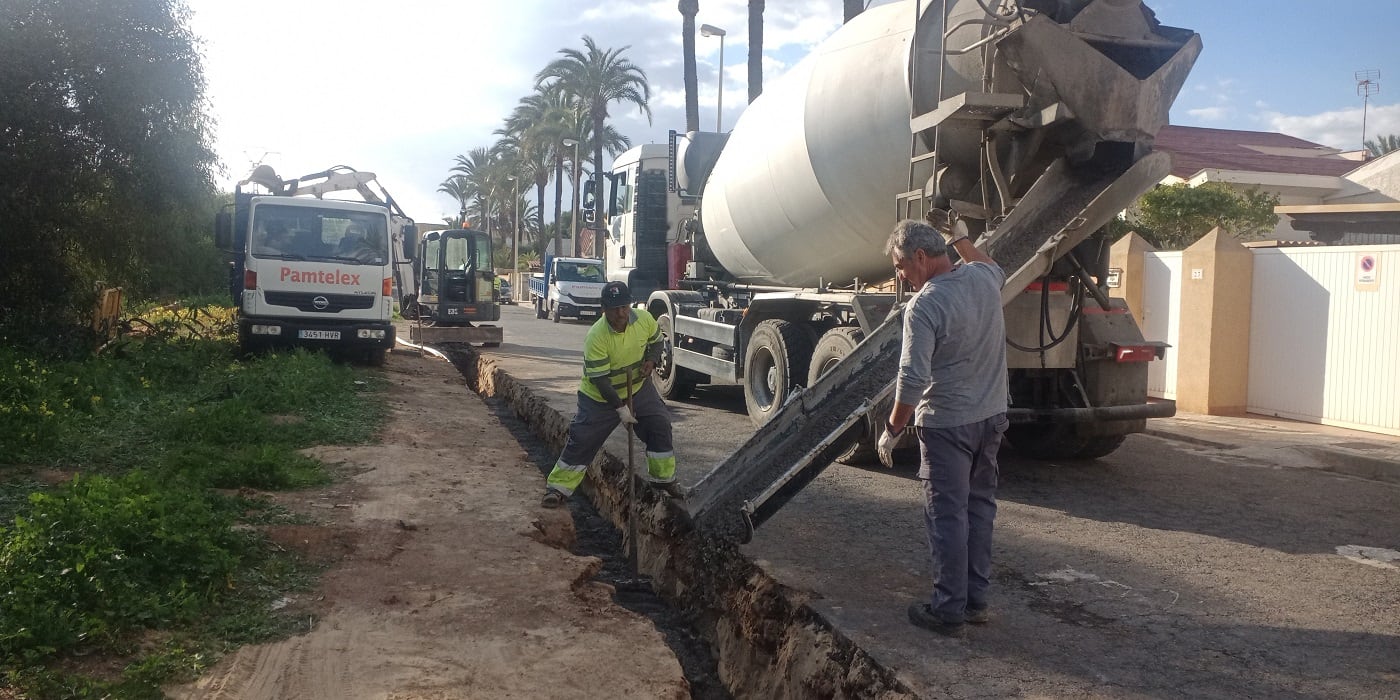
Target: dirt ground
(446,578)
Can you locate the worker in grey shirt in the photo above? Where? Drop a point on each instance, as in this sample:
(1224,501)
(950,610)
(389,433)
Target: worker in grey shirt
(952,382)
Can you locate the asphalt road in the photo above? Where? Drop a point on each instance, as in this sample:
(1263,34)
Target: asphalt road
(1164,570)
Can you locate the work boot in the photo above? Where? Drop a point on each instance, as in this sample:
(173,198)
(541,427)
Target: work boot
(977,616)
(553,499)
(672,489)
(923,616)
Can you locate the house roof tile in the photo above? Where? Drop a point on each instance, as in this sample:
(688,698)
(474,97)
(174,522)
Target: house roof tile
(1194,149)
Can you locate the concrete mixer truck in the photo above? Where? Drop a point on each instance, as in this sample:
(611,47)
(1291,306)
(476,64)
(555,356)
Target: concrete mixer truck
(1030,123)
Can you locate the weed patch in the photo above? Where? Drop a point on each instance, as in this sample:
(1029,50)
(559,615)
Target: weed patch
(165,431)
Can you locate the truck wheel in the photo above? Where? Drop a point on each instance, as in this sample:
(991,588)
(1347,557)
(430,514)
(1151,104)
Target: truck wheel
(246,347)
(1059,441)
(673,382)
(376,357)
(775,364)
(554,312)
(834,346)
(539,307)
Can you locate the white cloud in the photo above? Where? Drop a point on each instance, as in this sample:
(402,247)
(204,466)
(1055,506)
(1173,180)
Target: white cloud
(1337,128)
(401,89)
(1211,113)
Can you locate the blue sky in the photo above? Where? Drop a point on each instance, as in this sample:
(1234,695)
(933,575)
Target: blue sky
(1288,65)
(400,88)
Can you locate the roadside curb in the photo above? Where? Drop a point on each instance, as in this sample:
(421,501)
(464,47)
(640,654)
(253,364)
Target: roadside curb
(1339,460)
(1188,439)
(1343,461)
(767,641)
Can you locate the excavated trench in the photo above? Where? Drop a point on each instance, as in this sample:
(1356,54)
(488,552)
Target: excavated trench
(736,631)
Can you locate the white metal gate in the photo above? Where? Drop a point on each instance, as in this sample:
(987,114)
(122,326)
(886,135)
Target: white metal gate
(1161,316)
(1324,330)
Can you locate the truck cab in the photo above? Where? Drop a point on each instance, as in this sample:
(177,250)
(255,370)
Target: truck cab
(644,216)
(568,288)
(310,272)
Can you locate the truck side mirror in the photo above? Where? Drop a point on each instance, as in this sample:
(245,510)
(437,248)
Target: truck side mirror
(589,199)
(410,243)
(223,230)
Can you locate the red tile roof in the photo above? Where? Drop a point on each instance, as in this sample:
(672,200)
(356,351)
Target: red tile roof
(1194,149)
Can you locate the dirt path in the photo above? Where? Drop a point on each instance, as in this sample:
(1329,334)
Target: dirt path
(449,581)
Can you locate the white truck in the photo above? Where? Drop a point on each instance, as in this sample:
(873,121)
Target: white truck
(307,271)
(568,287)
(1028,123)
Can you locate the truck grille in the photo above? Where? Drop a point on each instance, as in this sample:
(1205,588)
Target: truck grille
(334,303)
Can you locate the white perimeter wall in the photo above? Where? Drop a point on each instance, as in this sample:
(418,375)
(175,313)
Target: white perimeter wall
(1321,349)
(1161,315)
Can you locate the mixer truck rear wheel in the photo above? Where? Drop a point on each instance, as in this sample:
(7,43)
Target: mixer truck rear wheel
(1059,441)
(834,346)
(673,382)
(775,364)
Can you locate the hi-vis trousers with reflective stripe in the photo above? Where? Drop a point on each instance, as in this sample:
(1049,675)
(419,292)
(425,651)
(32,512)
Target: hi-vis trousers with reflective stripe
(591,426)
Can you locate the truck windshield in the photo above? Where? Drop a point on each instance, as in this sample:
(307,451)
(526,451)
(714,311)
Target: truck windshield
(310,233)
(579,272)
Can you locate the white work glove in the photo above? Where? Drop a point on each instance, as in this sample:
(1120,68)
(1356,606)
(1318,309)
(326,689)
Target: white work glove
(885,447)
(625,415)
(948,224)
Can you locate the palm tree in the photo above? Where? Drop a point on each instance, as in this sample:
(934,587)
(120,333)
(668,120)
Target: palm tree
(596,78)
(537,125)
(688,9)
(1382,145)
(852,8)
(455,186)
(473,168)
(613,143)
(755,49)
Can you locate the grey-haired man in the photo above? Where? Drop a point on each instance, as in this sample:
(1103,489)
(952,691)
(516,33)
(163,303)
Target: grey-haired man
(952,382)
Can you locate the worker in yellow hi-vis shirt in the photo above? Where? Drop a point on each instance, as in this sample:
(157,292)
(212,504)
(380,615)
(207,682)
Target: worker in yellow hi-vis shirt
(625,341)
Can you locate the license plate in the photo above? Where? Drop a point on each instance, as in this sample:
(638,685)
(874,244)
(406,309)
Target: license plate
(319,335)
(587,312)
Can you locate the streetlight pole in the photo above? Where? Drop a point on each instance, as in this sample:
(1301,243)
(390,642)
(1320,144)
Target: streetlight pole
(574,217)
(711,30)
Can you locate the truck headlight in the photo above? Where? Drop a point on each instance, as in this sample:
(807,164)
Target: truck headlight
(370,333)
(258,329)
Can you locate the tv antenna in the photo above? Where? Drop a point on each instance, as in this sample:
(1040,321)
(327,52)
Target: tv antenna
(1368,82)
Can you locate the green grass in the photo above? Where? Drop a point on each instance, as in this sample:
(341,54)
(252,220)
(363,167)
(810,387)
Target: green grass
(144,542)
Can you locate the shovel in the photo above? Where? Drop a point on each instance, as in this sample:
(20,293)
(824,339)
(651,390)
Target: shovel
(631,482)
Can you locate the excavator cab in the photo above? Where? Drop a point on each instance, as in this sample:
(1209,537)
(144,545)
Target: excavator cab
(454,283)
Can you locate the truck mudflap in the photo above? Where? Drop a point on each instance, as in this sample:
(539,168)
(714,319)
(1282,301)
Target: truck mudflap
(803,438)
(1063,207)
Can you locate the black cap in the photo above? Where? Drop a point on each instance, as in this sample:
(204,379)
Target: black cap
(616,294)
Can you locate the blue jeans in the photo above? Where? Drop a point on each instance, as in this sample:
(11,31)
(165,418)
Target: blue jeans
(958,469)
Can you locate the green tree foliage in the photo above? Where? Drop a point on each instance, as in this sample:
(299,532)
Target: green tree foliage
(104,156)
(1172,217)
(596,78)
(1382,145)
